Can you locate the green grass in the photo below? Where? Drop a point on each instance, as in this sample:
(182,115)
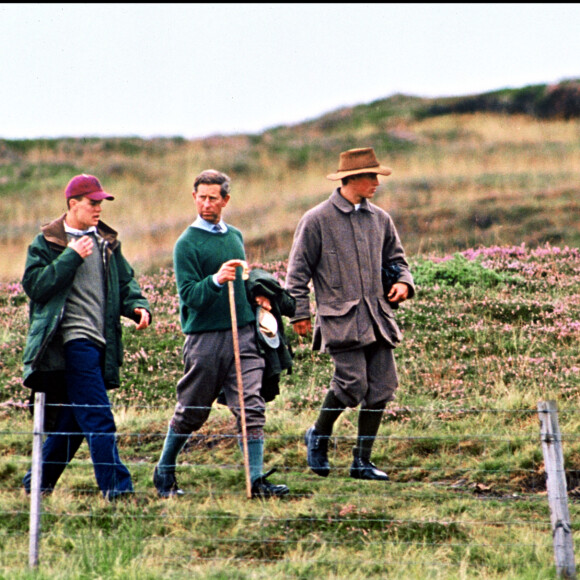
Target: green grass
(491,332)
(484,194)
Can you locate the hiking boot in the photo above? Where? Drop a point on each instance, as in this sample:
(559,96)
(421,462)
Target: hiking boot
(317,454)
(166,484)
(365,469)
(264,489)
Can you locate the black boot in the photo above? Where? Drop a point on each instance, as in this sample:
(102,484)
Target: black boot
(262,488)
(369,420)
(166,484)
(363,468)
(317,455)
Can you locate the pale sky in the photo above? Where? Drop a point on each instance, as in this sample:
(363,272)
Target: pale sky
(195,70)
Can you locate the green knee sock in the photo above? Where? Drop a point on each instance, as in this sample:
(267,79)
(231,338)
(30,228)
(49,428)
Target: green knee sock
(255,456)
(174,443)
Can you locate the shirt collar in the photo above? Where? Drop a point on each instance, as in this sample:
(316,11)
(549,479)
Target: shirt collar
(208,226)
(75,232)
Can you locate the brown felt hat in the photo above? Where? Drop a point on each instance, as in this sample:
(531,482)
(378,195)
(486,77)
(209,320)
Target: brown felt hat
(355,161)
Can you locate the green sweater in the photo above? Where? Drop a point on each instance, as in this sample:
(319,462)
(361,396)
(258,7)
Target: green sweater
(204,306)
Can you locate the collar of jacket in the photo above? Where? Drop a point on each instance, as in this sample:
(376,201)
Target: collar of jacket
(54,233)
(345,206)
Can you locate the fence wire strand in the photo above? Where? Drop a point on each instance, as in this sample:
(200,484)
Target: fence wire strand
(350,511)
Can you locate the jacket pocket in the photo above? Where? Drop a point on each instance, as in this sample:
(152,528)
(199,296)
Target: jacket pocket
(338,324)
(392,327)
(40,330)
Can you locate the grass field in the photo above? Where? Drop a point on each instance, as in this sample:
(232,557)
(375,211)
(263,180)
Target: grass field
(487,207)
(490,333)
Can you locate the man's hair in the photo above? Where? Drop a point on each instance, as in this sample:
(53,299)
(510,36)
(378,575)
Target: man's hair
(213,177)
(77,197)
(346,179)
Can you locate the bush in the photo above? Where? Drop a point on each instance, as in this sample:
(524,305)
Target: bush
(560,101)
(456,271)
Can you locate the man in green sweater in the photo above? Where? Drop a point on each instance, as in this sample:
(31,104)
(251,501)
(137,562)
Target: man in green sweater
(208,255)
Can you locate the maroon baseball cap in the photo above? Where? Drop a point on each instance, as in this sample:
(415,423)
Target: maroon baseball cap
(87,185)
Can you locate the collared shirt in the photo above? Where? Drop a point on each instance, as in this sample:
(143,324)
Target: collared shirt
(219,228)
(84,315)
(75,232)
(210,227)
(70,231)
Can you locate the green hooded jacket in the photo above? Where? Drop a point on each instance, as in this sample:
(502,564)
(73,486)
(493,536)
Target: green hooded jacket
(48,277)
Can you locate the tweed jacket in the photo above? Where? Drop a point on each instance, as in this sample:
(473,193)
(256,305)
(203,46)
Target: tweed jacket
(341,250)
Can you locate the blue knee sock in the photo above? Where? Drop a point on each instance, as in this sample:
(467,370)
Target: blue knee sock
(174,443)
(255,456)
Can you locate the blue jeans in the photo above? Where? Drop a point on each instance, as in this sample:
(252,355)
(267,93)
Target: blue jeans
(87,414)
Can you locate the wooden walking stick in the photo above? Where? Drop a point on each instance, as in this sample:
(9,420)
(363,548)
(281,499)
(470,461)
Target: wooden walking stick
(240,388)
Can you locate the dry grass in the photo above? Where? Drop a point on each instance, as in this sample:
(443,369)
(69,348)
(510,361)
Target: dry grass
(515,174)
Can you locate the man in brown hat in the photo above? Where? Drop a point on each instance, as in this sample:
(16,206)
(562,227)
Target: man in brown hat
(343,245)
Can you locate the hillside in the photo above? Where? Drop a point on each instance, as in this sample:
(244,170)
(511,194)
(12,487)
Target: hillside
(486,201)
(497,168)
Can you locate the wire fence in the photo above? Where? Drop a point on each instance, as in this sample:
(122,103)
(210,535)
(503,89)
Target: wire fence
(455,498)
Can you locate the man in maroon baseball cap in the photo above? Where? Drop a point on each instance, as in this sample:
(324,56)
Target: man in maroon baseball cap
(79,285)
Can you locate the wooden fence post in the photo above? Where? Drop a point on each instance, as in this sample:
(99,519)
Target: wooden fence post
(35,493)
(557,490)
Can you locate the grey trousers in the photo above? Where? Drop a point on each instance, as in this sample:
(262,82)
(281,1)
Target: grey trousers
(366,375)
(210,367)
